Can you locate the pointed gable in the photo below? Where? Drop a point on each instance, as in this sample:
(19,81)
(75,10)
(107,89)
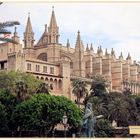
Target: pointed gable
(44,38)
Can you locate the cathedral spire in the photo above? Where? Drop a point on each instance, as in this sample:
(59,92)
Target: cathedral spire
(15,32)
(53,30)
(28,26)
(16,37)
(79,44)
(128,57)
(45,27)
(98,50)
(28,34)
(112,53)
(91,47)
(87,48)
(106,52)
(79,64)
(53,23)
(101,51)
(68,43)
(121,56)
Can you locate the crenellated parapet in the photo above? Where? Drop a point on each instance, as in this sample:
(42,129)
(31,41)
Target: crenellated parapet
(16,54)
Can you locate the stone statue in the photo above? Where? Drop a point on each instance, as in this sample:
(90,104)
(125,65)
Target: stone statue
(89,121)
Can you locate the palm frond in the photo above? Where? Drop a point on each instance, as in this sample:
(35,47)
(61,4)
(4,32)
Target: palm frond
(8,40)
(4,31)
(9,24)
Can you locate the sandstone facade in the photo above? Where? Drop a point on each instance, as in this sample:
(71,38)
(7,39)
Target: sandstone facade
(59,64)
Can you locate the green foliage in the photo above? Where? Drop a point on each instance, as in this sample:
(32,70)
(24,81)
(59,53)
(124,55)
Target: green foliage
(99,85)
(137,100)
(8,81)
(99,106)
(43,88)
(79,89)
(3,118)
(103,128)
(8,101)
(3,30)
(118,110)
(43,111)
(118,106)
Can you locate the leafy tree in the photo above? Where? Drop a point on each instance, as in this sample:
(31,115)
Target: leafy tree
(103,128)
(21,90)
(99,107)
(99,85)
(3,30)
(43,88)
(79,89)
(43,112)
(135,106)
(8,102)
(3,118)
(99,89)
(10,80)
(118,111)
(137,100)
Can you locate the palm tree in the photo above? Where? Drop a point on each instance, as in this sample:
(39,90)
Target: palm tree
(99,106)
(21,90)
(99,85)
(79,90)
(118,111)
(3,30)
(44,88)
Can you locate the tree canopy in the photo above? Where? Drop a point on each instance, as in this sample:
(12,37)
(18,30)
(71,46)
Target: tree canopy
(44,112)
(9,80)
(79,89)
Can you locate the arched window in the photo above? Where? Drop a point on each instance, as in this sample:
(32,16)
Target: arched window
(42,56)
(46,79)
(71,65)
(42,78)
(55,84)
(60,84)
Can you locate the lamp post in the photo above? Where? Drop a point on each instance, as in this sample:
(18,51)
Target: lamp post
(65,119)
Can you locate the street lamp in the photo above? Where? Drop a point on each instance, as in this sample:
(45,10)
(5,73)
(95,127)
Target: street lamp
(65,119)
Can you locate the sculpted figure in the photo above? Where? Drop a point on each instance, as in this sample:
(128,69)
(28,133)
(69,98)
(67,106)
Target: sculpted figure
(89,121)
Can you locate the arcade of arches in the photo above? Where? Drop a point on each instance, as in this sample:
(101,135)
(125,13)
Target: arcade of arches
(56,82)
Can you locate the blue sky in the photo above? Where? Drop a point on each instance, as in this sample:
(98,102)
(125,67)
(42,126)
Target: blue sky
(111,25)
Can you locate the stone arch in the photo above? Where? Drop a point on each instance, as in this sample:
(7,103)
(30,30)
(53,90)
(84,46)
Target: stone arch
(37,77)
(55,84)
(51,83)
(46,79)
(60,84)
(42,56)
(51,80)
(67,58)
(42,78)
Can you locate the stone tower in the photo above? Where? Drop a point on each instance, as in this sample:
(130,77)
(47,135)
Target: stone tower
(79,64)
(53,30)
(15,38)
(28,35)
